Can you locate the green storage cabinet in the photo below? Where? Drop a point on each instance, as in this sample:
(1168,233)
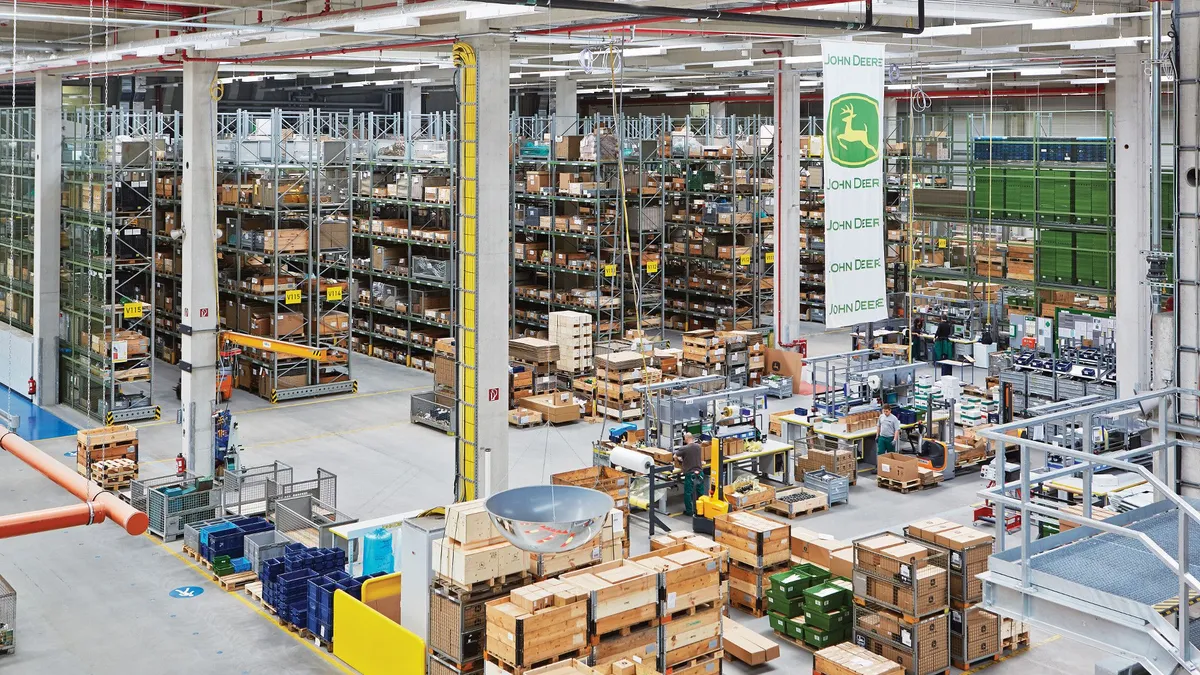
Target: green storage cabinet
(989,192)
(1054,195)
(1020,194)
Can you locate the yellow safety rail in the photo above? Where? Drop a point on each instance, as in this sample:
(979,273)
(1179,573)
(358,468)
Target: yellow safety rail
(323,354)
(466,467)
(371,643)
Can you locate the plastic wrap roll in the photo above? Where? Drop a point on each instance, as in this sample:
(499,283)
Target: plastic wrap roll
(630,459)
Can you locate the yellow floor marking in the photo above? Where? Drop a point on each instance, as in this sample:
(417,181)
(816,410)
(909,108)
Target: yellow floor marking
(241,596)
(312,401)
(1002,659)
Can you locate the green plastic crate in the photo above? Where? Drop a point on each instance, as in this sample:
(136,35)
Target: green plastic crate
(988,193)
(785,606)
(791,584)
(795,627)
(778,622)
(827,620)
(825,598)
(823,638)
(1020,194)
(818,574)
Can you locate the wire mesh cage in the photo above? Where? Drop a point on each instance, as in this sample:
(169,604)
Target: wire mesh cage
(433,409)
(172,502)
(307,520)
(8,617)
(245,491)
(910,577)
(323,487)
(921,646)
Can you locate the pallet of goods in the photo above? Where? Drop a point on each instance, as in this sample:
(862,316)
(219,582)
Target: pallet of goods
(611,544)
(974,637)
(577,667)
(748,496)
(823,550)
(537,625)
(623,596)
(703,354)
(850,659)
(572,332)
(613,482)
(904,474)
(840,461)
(758,547)
(616,375)
(473,555)
(745,645)
(807,608)
(969,552)
(114,474)
(796,502)
(104,443)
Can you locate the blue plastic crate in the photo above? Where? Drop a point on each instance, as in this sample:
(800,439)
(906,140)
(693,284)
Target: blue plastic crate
(352,587)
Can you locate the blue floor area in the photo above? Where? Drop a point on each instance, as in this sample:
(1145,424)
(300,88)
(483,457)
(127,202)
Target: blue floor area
(35,423)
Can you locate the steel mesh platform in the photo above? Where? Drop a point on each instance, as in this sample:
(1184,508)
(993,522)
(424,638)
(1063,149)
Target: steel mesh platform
(1105,562)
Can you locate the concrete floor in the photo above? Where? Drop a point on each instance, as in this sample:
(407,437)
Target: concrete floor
(94,600)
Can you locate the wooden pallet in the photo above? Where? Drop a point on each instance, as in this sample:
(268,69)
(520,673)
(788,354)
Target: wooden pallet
(316,639)
(799,643)
(753,610)
(8,650)
(772,508)
(483,589)
(1015,642)
(254,590)
(698,664)
(624,631)
(506,667)
(903,487)
(237,581)
(690,611)
(967,665)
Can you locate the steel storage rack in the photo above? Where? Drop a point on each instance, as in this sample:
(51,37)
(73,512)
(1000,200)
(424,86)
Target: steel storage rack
(402,257)
(168,256)
(108,281)
(16,217)
(284,206)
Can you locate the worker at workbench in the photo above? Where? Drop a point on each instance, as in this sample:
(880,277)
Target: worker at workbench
(889,431)
(943,348)
(691,462)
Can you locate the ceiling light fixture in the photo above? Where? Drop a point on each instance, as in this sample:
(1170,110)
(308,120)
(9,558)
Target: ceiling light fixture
(967,74)
(1092,80)
(387,23)
(814,58)
(1083,21)
(1114,43)
(644,51)
(421,80)
(409,68)
(361,71)
(1034,72)
(946,31)
(736,63)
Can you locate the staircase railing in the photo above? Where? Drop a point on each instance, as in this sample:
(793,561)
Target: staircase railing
(1016,495)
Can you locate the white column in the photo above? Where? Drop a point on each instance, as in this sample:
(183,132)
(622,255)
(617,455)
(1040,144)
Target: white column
(566,106)
(199,303)
(787,206)
(1129,99)
(47,223)
(411,100)
(494,255)
(1187,98)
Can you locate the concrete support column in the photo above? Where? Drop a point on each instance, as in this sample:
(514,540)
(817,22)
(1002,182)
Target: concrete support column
(199,303)
(566,106)
(1187,242)
(411,101)
(493,258)
(47,223)
(1129,99)
(787,206)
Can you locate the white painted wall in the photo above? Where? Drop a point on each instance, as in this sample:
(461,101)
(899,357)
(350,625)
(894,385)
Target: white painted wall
(16,359)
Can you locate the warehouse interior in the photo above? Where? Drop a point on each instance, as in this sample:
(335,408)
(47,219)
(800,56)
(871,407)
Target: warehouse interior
(809,313)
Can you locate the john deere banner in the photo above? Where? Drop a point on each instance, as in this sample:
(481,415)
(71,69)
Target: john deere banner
(855,282)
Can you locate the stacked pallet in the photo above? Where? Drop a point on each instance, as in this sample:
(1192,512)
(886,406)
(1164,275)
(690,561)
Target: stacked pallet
(577,667)
(617,374)
(1020,262)
(533,350)
(572,332)
(691,597)
(902,598)
(807,608)
(758,547)
(473,555)
(737,356)
(537,625)
(850,659)
(703,354)
(969,553)
(445,369)
(104,443)
(756,348)
(114,474)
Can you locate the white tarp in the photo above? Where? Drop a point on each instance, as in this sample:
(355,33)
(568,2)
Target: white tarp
(855,279)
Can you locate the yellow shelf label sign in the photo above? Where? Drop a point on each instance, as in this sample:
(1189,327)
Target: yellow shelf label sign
(652,267)
(291,297)
(744,259)
(610,270)
(132,310)
(769,257)
(941,243)
(333,293)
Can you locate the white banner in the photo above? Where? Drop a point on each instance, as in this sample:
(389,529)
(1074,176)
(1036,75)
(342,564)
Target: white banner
(855,278)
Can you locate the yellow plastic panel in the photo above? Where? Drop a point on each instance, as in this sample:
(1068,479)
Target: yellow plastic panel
(371,643)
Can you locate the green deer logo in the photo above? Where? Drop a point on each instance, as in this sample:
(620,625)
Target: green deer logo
(850,145)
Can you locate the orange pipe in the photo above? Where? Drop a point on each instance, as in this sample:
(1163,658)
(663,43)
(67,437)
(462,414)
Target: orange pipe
(58,518)
(133,521)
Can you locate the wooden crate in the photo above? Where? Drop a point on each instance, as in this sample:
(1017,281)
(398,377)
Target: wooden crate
(753,540)
(546,620)
(642,643)
(687,577)
(487,565)
(745,501)
(691,637)
(818,502)
(104,443)
(469,525)
(622,594)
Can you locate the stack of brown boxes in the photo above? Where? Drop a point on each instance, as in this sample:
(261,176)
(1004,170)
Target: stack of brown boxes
(902,598)
(737,356)
(572,332)
(974,632)
(689,586)
(616,375)
(756,348)
(473,552)
(758,547)
(537,625)
(849,659)
(835,555)
(822,453)
(624,601)
(703,354)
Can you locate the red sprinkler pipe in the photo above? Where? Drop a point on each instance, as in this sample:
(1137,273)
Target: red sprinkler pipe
(58,518)
(133,521)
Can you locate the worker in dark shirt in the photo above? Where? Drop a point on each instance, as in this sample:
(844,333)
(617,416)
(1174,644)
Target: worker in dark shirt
(691,462)
(943,349)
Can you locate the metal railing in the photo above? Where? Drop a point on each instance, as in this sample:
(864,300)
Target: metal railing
(1016,495)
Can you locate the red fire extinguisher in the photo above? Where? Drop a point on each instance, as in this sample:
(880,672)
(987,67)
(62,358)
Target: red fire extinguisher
(32,386)
(180,465)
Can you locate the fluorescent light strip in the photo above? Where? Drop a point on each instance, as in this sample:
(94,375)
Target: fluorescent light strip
(387,23)
(946,31)
(1033,72)
(361,71)
(410,68)
(644,51)
(1092,80)
(967,74)
(736,63)
(815,58)
(1084,21)
(1115,43)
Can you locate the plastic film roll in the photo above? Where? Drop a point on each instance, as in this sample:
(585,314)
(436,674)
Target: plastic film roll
(630,459)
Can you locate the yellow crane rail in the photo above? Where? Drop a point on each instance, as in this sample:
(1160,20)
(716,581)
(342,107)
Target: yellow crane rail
(321,354)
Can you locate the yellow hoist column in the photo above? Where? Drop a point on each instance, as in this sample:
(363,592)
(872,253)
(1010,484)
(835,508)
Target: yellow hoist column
(467,471)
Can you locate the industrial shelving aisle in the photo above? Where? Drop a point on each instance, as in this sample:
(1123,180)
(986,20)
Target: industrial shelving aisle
(403,237)
(643,268)
(284,208)
(16,217)
(811,257)
(720,197)
(568,232)
(168,258)
(108,281)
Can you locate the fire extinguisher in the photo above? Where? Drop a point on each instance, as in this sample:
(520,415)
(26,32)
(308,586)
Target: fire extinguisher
(32,386)
(180,465)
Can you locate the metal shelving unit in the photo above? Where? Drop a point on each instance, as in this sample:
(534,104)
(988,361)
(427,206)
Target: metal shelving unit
(16,217)
(402,258)
(108,280)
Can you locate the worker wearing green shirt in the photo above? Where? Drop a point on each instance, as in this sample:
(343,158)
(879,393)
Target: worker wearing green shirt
(691,463)
(889,431)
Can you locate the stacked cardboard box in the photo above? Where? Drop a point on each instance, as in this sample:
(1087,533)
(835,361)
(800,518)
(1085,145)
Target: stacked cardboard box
(616,375)
(473,553)
(457,626)
(843,462)
(745,645)
(849,659)
(703,354)
(974,636)
(758,547)
(572,332)
(903,595)
(969,551)
(904,473)
(737,355)
(536,624)
(835,555)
